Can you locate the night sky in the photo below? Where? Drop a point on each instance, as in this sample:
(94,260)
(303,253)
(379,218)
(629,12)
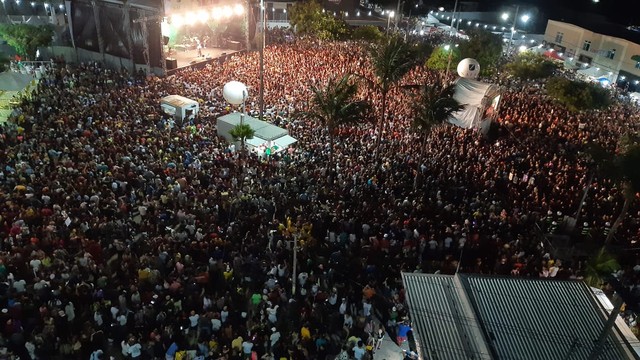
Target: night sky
(620,11)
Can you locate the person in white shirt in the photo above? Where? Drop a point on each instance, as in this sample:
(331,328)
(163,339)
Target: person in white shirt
(193,319)
(275,336)
(366,308)
(216,324)
(272,314)
(359,351)
(134,349)
(348,321)
(343,306)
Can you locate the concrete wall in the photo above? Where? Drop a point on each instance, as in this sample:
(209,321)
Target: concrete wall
(78,55)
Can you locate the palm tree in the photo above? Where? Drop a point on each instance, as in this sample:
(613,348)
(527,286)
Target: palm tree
(242,132)
(391,61)
(335,104)
(435,106)
(599,267)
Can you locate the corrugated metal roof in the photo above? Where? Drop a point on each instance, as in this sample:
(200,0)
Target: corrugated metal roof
(446,330)
(539,318)
(485,317)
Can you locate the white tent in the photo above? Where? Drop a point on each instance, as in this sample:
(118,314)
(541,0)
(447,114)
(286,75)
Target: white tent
(635,97)
(479,100)
(590,72)
(14,81)
(266,134)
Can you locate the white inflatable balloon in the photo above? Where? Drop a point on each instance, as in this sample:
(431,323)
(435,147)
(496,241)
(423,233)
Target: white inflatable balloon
(469,68)
(235,92)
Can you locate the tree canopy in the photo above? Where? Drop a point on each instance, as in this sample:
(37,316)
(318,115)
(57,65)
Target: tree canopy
(434,106)
(440,58)
(308,18)
(26,39)
(577,95)
(367,33)
(336,104)
(483,46)
(528,65)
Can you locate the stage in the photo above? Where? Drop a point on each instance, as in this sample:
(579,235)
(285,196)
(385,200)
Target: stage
(189,57)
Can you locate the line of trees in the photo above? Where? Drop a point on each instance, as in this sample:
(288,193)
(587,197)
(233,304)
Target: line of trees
(25,39)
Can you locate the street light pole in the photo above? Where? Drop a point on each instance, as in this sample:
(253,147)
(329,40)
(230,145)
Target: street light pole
(391,14)
(513,29)
(455,8)
(264,30)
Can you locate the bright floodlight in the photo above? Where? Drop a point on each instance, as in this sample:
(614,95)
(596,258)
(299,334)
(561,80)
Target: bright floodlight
(216,13)
(227,11)
(392,14)
(525,18)
(238,9)
(203,16)
(440,8)
(522,48)
(177,20)
(505,16)
(468,22)
(189,18)
(447,47)
(235,92)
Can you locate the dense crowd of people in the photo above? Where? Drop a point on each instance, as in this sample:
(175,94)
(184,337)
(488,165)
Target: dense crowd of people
(124,230)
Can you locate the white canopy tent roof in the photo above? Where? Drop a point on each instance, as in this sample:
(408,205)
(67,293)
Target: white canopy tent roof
(592,72)
(476,97)
(266,134)
(14,81)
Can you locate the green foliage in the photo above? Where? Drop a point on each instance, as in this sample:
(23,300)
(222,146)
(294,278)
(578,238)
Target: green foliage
(440,58)
(528,65)
(600,266)
(308,19)
(26,39)
(391,60)
(435,106)
(577,95)
(422,51)
(336,104)
(368,33)
(242,132)
(483,46)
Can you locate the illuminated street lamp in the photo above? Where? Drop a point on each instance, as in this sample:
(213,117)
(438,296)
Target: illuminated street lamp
(524,18)
(391,14)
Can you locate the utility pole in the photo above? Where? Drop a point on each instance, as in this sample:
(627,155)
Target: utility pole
(513,29)
(455,8)
(264,30)
(606,330)
(294,277)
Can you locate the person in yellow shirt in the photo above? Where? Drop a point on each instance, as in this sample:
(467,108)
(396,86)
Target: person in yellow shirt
(305,333)
(236,344)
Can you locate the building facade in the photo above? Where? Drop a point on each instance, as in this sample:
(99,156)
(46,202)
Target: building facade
(614,57)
